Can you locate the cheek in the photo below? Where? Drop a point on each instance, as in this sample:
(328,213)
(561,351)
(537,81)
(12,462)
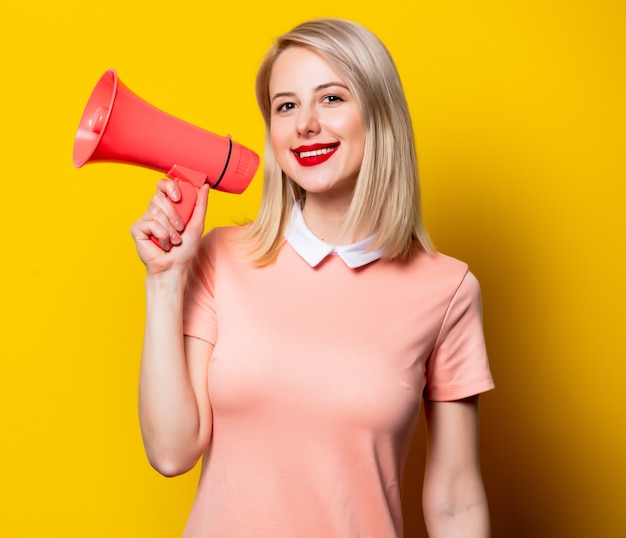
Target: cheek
(359,142)
(277,138)
(351,128)
(280,147)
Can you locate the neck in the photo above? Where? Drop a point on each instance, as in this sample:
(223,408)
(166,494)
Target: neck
(326,216)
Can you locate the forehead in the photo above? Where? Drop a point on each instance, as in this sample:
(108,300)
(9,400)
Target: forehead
(300,69)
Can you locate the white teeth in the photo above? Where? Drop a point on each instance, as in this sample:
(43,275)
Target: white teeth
(317,152)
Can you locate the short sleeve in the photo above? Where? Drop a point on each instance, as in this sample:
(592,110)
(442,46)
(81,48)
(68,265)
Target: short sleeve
(199,319)
(458,366)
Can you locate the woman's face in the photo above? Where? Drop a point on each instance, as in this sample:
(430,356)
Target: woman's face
(316,129)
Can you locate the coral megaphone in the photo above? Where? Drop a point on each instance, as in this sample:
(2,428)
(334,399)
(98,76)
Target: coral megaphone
(118,126)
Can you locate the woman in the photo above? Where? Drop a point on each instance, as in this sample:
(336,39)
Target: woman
(294,353)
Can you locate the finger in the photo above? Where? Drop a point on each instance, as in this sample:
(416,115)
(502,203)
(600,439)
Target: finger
(199,212)
(161,221)
(162,209)
(161,229)
(169,187)
(145,230)
(156,223)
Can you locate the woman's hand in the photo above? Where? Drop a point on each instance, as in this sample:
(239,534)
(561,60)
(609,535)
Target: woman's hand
(178,244)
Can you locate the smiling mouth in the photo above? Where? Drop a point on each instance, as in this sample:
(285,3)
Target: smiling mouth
(314,155)
(316,152)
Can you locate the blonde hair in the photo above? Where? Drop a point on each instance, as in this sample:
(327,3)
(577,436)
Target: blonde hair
(386,200)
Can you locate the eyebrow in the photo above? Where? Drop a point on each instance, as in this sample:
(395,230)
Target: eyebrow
(315,90)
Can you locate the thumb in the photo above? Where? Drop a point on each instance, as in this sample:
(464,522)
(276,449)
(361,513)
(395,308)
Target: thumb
(199,212)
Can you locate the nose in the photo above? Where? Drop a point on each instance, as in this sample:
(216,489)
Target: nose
(308,122)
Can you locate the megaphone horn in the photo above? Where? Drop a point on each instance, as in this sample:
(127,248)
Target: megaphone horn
(118,126)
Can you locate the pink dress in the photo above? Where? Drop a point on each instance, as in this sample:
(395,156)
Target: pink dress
(316,382)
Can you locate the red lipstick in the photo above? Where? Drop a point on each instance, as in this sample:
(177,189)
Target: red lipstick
(314,154)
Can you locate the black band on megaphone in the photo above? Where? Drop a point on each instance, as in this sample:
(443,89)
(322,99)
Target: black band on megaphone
(230,150)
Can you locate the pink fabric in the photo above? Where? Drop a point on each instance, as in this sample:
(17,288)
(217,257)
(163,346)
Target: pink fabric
(316,382)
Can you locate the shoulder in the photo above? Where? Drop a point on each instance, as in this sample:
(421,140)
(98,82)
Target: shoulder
(445,275)
(222,237)
(455,268)
(441,262)
(438,267)
(459,285)
(217,245)
(225,232)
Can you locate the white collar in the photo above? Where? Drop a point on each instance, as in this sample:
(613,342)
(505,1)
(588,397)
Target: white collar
(313,250)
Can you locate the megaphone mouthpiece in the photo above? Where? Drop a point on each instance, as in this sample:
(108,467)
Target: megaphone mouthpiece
(98,120)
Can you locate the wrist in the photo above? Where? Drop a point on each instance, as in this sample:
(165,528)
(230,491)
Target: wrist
(173,279)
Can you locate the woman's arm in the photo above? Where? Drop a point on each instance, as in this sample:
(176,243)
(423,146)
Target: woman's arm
(454,500)
(174,409)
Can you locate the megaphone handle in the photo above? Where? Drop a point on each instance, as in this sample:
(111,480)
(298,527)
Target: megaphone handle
(189,183)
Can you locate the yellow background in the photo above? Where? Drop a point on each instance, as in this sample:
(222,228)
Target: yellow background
(519,114)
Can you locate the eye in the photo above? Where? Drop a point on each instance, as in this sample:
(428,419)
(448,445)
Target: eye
(284,107)
(331,99)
